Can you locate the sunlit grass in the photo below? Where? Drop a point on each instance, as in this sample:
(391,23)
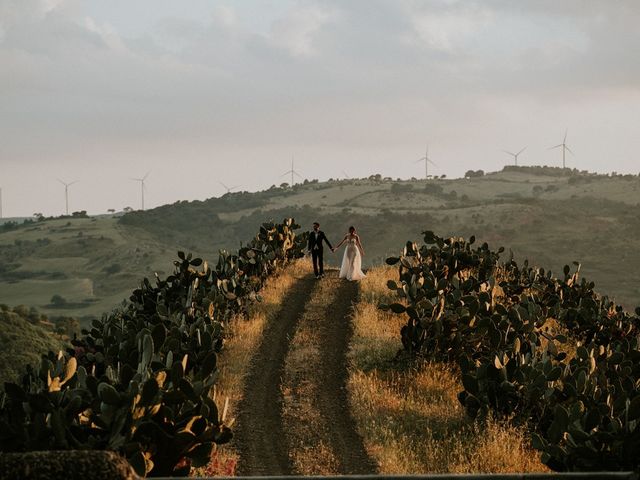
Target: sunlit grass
(243,338)
(408,413)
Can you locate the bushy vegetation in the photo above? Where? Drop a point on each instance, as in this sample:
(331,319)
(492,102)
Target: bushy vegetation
(474,173)
(542,170)
(13,225)
(24,337)
(139,381)
(542,351)
(28,333)
(198,219)
(425,429)
(37,217)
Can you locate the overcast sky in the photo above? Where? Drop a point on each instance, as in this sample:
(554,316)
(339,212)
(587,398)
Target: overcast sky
(198,92)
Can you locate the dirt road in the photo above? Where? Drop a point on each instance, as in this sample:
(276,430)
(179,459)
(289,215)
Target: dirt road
(294,417)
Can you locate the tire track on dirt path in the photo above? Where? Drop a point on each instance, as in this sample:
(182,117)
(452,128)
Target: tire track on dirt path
(260,436)
(317,418)
(336,331)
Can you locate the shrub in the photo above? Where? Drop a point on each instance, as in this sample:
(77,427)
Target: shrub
(22,311)
(58,300)
(401,187)
(474,173)
(139,381)
(113,268)
(433,189)
(575,380)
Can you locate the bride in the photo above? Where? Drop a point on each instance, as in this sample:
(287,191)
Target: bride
(352,260)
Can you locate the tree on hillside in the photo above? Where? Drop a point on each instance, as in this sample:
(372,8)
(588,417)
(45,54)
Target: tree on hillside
(21,310)
(67,326)
(58,300)
(474,173)
(433,188)
(400,187)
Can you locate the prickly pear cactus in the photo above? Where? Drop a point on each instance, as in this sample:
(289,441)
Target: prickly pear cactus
(139,381)
(544,351)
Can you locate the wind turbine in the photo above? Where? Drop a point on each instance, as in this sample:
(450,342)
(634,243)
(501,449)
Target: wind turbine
(66,193)
(229,189)
(564,148)
(515,155)
(141,180)
(426,161)
(292,172)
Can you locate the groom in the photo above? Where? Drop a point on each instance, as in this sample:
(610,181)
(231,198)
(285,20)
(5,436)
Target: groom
(316,237)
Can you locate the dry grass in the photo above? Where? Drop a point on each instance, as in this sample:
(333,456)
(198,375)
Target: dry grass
(310,452)
(243,337)
(409,415)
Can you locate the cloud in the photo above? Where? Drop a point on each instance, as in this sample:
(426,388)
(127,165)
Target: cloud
(296,31)
(447,29)
(359,81)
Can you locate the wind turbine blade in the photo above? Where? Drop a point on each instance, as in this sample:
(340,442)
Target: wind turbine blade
(432,162)
(420,160)
(297,174)
(565,136)
(521,151)
(509,153)
(286,173)
(569,150)
(75,181)
(234,187)
(145,177)
(551,148)
(62,182)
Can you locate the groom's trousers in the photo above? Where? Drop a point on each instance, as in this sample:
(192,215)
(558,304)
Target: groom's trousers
(318,267)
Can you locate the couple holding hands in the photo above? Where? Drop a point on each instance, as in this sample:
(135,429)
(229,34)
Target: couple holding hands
(351,268)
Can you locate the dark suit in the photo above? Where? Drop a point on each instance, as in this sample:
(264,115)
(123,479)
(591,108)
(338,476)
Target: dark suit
(315,246)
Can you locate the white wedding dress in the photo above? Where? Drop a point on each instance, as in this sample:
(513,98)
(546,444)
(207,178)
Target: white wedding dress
(351,268)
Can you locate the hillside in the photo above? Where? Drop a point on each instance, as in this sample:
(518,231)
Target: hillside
(548,215)
(22,340)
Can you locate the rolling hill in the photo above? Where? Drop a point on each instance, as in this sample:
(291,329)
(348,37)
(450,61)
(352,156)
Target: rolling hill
(23,339)
(549,215)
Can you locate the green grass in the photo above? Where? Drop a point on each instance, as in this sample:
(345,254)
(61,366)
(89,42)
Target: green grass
(22,344)
(93,263)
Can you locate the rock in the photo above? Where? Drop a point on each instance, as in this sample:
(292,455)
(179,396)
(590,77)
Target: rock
(68,465)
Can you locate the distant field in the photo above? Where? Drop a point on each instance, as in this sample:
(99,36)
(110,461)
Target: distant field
(91,263)
(552,217)
(34,292)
